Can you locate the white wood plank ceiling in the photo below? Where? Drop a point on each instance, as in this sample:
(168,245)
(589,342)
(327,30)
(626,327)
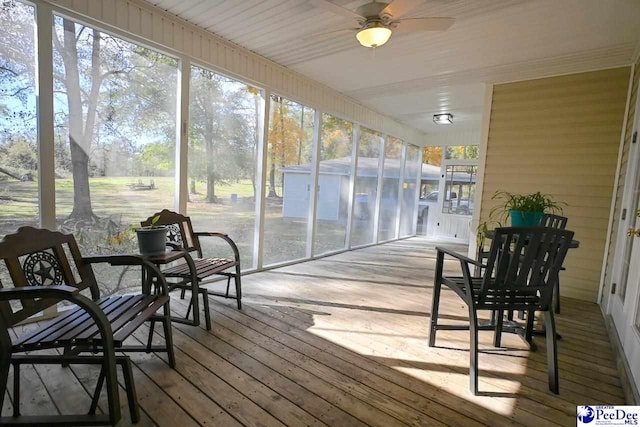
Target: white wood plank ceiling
(416,75)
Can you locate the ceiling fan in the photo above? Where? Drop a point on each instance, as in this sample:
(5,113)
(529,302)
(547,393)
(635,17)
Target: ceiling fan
(377,20)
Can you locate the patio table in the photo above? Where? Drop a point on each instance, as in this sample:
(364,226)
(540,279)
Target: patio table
(167,258)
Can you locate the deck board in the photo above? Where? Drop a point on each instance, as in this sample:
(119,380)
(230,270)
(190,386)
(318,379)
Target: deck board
(342,341)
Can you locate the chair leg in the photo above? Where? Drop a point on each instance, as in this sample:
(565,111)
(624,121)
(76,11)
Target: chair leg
(66,352)
(130,387)
(189,307)
(528,332)
(552,351)
(556,296)
(497,333)
(96,392)
(473,349)
(168,336)
(5,359)
(238,287)
(16,390)
(152,326)
(113,398)
(435,303)
(205,304)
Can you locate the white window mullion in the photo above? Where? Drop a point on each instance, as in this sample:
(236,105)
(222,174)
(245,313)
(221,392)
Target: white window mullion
(313,193)
(403,157)
(261,177)
(416,197)
(378,209)
(182,139)
(352,182)
(44,108)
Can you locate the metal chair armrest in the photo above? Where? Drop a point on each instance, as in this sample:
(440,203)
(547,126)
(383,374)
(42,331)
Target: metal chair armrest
(222,236)
(460,257)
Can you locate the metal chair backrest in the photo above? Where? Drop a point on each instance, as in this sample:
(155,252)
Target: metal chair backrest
(522,267)
(553,221)
(38,257)
(179,229)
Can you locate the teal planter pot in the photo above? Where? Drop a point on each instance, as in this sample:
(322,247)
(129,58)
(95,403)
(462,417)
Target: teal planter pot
(525,219)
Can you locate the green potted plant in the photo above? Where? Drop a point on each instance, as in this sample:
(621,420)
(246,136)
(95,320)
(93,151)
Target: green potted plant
(152,240)
(525,210)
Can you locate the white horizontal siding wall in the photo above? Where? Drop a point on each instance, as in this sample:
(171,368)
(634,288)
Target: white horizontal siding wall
(624,162)
(147,22)
(561,136)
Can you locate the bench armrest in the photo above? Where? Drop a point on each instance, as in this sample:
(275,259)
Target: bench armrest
(115,260)
(223,236)
(49,291)
(210,233)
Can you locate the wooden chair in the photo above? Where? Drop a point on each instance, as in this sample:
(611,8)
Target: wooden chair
(555,221)
(45,267)
(180,234)
(520,274)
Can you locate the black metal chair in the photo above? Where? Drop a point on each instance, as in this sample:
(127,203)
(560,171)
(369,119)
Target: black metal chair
(547,220)
(520,274)
(555,221)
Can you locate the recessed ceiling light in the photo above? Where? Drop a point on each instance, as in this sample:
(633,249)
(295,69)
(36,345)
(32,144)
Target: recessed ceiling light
(443,119)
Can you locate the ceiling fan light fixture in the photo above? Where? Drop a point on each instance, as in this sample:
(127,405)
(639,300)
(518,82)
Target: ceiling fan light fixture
(443,119)
(374,35)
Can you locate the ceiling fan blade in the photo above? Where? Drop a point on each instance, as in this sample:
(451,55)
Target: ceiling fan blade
(424,24)
(398,8)
(326,34)
(338,10)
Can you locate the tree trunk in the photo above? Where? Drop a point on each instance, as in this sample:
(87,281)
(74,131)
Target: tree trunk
(211,178)
(81,194)
(272,176)
(79,144)
(6,172)
(192,187)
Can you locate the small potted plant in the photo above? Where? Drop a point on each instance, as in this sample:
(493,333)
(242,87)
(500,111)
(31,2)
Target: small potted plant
(525,210)
(152,240)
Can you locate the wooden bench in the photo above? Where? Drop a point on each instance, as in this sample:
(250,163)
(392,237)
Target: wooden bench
(180,234)
(45,267)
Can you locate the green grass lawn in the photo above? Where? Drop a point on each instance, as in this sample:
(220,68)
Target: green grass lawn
(111,197)
(119,207)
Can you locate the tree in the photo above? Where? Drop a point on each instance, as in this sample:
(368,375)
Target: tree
(432,155)
(18,149)
(336,138)
(110,91)
(223,131)
(288,137)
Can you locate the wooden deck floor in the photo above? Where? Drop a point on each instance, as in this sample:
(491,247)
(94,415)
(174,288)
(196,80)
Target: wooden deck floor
(342,341)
